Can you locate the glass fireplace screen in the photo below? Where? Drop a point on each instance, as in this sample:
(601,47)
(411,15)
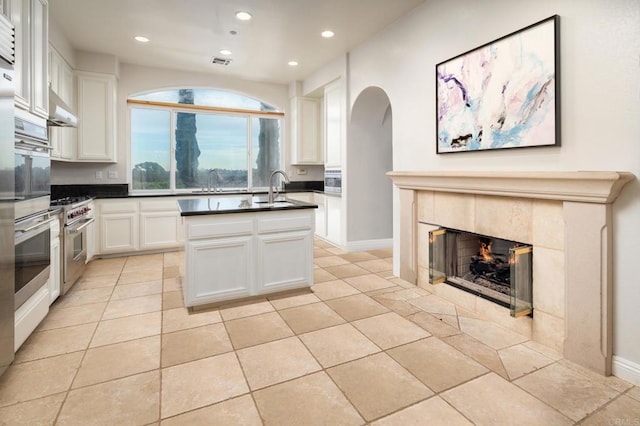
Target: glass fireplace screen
(495,269)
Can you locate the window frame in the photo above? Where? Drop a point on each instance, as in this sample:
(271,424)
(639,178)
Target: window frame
(197,109)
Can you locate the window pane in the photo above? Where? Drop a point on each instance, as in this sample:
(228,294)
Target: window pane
(265,149)
(211,141)
(150,148)
(208,97)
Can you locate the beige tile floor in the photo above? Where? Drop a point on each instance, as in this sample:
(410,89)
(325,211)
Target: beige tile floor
(363,347)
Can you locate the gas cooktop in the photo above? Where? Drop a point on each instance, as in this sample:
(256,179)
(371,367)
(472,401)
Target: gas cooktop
(69,200)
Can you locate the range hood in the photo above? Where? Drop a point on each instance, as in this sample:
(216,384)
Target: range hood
(59,113)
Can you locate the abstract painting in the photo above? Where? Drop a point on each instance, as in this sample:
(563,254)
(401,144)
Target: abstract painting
(502,94)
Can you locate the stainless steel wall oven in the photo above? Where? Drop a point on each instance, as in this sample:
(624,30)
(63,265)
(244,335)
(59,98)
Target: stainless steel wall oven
(32,165)
(32,255)
(7,197)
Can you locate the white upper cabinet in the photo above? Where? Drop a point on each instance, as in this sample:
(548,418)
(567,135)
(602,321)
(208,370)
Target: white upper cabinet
(20,16)
(333,113)
(63,139)
(306,142)
(61,77)
(30,18)
(96,117)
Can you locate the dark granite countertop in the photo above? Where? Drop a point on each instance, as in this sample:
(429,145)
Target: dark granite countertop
(122,191)
(225,205)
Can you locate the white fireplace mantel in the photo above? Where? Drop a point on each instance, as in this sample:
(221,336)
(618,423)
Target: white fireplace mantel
(586,187)
(585,199)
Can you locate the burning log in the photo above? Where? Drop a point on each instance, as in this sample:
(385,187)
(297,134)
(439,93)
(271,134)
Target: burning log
(493,266)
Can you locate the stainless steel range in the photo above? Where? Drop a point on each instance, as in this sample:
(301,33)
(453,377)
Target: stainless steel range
(76,217)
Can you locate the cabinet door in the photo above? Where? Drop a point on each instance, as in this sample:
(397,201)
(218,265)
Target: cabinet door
(65,83)
(334,217)
(321,215)
(218,269)
(96,113)
(39,58)
(91,238)
(118,233)
(159,230)
(21,18)
(55,275)
(333,124)
(306,146)
(284,261)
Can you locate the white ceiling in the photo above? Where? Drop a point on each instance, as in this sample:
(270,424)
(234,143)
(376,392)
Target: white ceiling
(186,34)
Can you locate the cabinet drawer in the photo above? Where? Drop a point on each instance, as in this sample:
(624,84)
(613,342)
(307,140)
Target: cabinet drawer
(285,222)
(169,205)
(227,226)
(118,207)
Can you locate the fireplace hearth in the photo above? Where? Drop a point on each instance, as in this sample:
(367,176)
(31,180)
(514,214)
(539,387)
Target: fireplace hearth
(566,215)
(492,268)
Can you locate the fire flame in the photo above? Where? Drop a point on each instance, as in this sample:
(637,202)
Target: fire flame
(485,251)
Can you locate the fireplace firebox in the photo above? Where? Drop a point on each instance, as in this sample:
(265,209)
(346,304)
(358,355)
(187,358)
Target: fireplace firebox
(492,268)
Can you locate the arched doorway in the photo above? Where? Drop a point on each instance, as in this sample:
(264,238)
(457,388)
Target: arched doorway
(369,158)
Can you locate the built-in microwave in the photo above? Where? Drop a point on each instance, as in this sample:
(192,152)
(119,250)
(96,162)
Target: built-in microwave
(333,181)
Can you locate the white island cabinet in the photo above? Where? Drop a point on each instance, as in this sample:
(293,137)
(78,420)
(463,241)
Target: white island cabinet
(240,248)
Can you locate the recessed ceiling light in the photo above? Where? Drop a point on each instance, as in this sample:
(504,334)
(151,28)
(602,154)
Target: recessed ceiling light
(141,39)
(293,63)
(225,52)
(243,16)
(327,34)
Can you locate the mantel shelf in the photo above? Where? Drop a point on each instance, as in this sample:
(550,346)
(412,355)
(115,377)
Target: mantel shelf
(601,187)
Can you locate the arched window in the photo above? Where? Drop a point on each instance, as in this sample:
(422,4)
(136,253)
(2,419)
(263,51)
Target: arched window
(187,139)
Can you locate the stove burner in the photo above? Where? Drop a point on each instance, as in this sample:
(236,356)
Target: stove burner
(69,200)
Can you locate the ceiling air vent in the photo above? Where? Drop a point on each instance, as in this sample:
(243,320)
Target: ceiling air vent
(220,61)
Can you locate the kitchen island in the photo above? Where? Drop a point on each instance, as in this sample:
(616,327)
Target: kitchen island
(242,246)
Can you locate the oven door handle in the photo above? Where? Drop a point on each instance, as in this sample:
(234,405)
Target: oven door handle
(26,233)
(36,226)
(84,224)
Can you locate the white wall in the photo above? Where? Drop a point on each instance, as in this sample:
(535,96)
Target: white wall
(369,157)
(600,84)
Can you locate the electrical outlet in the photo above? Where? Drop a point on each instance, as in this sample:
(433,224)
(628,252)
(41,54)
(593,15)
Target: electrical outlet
(112,175)
(99,175)
(301,171)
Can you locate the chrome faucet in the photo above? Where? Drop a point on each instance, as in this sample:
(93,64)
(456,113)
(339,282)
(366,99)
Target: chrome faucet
(210,172)
(286,179)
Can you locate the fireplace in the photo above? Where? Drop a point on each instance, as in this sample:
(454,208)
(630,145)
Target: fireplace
(495,269)
(566,216)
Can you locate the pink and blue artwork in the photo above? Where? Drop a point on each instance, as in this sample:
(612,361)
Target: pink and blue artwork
(500,95)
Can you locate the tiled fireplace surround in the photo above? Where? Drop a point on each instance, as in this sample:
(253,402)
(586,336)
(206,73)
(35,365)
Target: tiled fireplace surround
(567,218)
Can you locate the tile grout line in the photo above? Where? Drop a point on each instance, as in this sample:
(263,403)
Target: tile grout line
(66,396)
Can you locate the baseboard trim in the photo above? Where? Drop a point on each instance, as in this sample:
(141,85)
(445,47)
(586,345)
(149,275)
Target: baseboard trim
(366,245)
(626,370)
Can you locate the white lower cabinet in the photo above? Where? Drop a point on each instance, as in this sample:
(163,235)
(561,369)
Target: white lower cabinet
(321,215)
(160,224)
(30,314)
(55,276)
(91,234)
(130,225)
(118,226)
(333,207)
(283,260)
(230,256)
(118,233)
(219,269)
